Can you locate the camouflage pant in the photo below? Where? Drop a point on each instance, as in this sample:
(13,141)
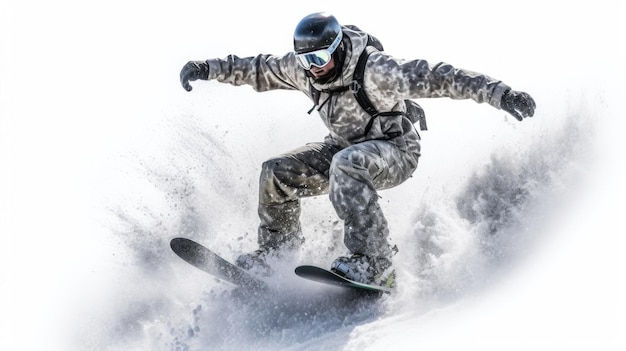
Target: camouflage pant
(350,176)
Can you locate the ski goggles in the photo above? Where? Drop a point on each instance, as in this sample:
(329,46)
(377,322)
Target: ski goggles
(319,58)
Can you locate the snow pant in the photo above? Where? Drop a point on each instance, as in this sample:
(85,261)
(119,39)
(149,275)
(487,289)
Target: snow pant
(351,177)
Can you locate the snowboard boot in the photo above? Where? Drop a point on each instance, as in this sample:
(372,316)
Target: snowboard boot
(255,262)
(364,269)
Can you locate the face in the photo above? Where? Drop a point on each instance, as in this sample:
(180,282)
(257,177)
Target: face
(319,72)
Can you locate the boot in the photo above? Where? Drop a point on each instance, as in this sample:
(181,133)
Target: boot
(364,269)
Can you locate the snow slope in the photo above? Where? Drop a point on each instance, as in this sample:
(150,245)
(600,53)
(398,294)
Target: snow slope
(509,233)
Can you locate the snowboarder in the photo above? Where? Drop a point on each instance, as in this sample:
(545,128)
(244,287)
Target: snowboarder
(363,152)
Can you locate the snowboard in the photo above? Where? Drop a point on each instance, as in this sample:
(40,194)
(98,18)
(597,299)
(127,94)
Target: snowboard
(210,262)
(325,276)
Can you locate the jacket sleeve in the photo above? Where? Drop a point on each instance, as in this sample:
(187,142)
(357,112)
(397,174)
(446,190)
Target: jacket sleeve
(418,79)
(261,72)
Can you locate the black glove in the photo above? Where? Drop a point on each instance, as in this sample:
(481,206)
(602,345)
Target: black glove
(193,70)
(518,104)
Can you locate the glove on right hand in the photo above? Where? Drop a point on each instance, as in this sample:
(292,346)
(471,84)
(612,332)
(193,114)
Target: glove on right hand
(193,70)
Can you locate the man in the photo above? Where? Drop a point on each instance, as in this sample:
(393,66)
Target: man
(363,153)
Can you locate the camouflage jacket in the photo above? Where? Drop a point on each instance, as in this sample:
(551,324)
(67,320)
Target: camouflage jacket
(387,82)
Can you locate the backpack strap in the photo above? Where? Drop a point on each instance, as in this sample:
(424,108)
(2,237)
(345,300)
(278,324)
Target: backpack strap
(359,93)
(414,111)
(357,83)
(315,95)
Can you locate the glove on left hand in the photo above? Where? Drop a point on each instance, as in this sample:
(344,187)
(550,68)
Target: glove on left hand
(518,104)
(193,70)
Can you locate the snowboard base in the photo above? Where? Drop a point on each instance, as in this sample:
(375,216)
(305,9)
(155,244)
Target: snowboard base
(210,262)
(325,276)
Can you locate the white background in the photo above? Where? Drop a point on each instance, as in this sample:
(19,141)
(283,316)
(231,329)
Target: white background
(87,89)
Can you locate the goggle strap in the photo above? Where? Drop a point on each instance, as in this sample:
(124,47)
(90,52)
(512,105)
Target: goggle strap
(306,63)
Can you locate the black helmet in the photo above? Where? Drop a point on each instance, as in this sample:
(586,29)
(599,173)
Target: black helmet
(316,31)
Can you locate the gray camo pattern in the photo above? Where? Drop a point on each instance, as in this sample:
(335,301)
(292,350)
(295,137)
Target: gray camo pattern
(350,165)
